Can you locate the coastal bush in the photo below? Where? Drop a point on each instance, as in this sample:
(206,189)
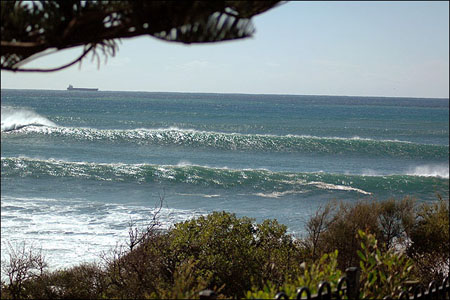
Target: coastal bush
(220,251)
(185,285)
(84,281)
(233,254)
(24,267)
(395,221)
(139,272)
(313,243)
(335,227)
(237,257)
(429,241)
(382,272)
(310,275)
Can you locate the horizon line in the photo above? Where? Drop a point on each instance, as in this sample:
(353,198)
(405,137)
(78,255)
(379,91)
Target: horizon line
(236,93)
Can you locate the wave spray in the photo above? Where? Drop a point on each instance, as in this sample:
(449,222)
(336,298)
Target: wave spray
(16,118)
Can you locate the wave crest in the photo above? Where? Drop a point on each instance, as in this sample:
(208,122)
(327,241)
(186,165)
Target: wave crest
(250,142)
(431,171)
(17,118)
(255,181)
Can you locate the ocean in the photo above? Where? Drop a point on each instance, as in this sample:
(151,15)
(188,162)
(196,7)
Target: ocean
(78,167)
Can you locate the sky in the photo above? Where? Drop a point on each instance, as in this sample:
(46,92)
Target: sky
(392,49)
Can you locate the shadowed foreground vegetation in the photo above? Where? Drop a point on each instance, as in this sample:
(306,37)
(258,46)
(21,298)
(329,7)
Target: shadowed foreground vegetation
(392,241)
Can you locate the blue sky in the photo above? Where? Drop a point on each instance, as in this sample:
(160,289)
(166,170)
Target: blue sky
(305,48)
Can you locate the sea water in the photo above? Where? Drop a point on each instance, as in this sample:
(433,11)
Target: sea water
(78,167)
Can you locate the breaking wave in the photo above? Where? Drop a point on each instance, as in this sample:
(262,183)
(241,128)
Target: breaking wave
(249,142)
(18,118)
(431,171)
(260,182)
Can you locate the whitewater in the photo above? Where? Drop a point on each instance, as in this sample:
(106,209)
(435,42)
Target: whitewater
(78,167)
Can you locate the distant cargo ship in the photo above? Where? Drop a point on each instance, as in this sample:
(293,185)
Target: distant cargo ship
(71,88)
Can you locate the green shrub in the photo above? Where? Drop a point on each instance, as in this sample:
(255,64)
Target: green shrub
(85,281)
(310,276)
(185,284)
(140,272)
(430,243)
(25,266)
(382,273)
(233,253)
(237,257)
(335,227)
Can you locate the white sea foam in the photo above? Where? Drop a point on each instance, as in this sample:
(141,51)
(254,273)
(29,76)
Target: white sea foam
(441,171)
(278,194)
(71,231)
(329,186)
(180,133)
(200,195)
(16,118)
(184,163)
(370,172)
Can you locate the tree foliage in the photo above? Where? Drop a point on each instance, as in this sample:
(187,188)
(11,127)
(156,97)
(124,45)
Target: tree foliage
(232,253)
(24,265)
(29,28)
(310,275)
(383,272)
(237,257)
(430,240)
(336,227)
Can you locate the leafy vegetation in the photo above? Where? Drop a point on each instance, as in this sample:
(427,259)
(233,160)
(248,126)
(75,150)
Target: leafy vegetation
(239,258)
(310,276)
(28,28)
(430,241)
(383,273)
(336,227)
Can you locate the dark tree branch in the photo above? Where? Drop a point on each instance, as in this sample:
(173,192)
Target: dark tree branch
(53,69)
(28,28)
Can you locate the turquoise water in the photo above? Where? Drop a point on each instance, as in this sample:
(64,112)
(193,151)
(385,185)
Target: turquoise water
(78,166)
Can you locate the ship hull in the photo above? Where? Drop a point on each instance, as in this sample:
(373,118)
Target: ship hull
(82,89)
